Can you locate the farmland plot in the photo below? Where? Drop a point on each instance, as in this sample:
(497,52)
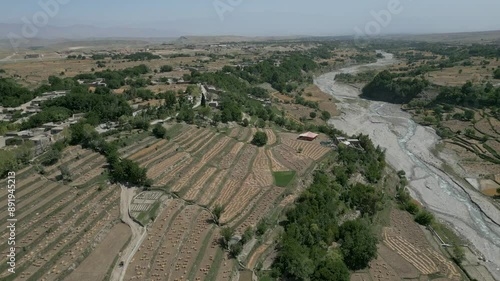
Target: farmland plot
(406,239)
(313,149)
(291,159)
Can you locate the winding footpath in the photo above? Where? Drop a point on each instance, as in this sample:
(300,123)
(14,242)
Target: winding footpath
(409,147)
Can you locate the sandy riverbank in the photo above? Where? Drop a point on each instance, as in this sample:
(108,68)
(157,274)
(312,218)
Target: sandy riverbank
(409,147)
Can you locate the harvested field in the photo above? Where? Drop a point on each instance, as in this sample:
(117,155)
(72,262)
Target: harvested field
(166,165)
(257,209)
(148,250)
(96,265)
(56,225)
(380,270)
(243,196)
(245,134)
(291,159)
(211,189)
(311,149)
(230,157)
(207,258)
(197,186)
(164,153)
(408,240)
(403,268)
(235,132)
(271,136)
(275,165)
(143,152)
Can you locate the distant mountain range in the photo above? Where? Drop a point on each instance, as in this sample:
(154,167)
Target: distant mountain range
(87,31)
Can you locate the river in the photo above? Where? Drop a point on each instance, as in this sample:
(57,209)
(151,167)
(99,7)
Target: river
(409,147)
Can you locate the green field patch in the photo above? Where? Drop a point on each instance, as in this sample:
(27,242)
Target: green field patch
(283,179)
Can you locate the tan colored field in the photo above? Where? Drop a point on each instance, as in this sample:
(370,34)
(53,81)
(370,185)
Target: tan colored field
(182,242)
(408,240)
(97,264)
(62,223)
(453,77)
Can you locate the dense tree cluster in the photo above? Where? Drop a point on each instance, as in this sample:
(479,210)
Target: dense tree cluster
(385,87)
(101,108)
(13,94)
(305,251)
(49,114)
(470,95)
(312,225)
(115,78)
(141,56)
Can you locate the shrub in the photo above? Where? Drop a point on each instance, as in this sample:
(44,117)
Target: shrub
(259,139)
(424,218)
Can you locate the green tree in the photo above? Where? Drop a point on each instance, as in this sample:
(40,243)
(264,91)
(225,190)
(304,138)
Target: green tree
(236,250)
(312,115)
(293,260)
(226,236)
(496,74)
(245,122)
(65,173)
(424,218)
(166,68)
(8,162)
(332,270)
(325,115)
(364,198)
(259,139)
(159,131)
(203,100)
(217,213)
(359,244)
(247,235)
(51,157)
(205,112)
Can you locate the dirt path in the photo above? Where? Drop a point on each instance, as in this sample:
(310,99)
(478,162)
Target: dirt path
(138,234)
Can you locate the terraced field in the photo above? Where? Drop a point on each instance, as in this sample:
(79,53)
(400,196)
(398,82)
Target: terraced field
(61,224)
(205,169)
(67,225)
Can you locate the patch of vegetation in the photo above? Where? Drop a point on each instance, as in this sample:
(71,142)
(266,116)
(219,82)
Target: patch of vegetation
(141,56)
(283,179)
(385,87)
(166,68)
(259,139)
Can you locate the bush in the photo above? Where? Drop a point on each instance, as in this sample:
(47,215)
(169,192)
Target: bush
(325,115)
(159,131)
(259,139)
(166,68)
(312,115)
(424,218)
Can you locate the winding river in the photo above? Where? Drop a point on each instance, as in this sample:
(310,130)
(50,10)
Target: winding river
(409,147)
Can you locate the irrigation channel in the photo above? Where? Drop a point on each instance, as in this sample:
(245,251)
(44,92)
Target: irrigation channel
(409,147)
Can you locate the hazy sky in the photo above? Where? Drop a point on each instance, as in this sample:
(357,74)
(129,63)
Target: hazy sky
(267,17)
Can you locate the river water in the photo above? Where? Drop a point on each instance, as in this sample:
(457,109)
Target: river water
(408,147)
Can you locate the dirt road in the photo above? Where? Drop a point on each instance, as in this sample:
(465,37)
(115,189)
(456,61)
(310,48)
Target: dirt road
(138,234)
